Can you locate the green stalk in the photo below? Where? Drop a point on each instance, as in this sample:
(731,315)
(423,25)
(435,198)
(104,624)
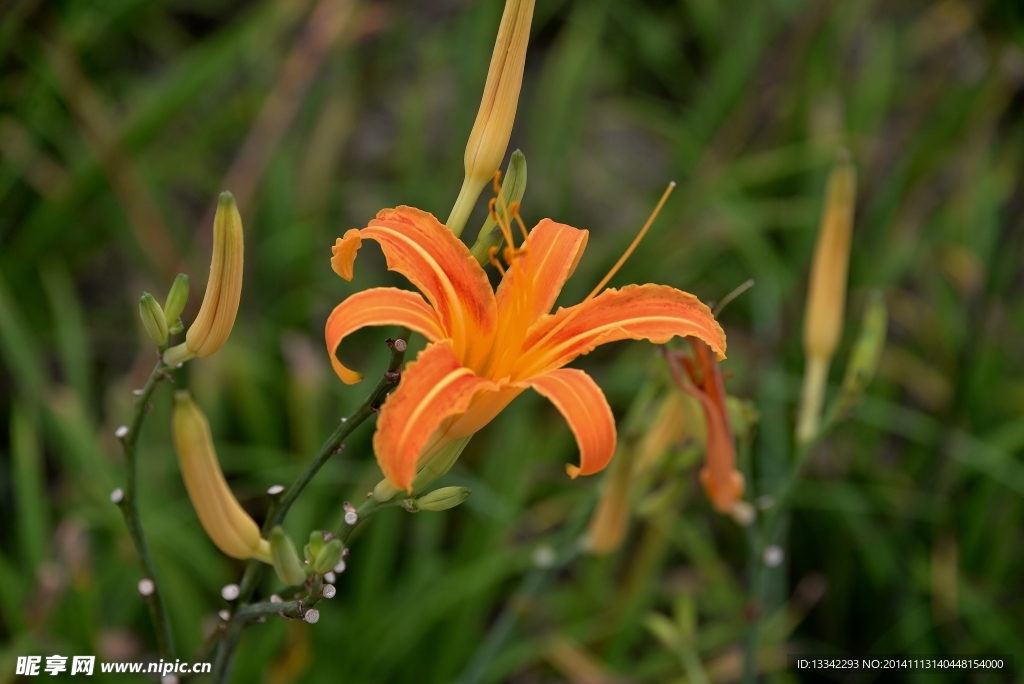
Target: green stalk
(129,505)
(254,569)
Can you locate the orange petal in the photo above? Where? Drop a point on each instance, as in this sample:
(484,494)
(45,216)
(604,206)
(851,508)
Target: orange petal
(434,388)
(419,247)
(379,306)
(653,312)
(582,403)
(722,482)
(343,253)
(553,251)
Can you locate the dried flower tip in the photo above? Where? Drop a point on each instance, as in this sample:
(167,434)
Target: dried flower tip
(340,567)
(275,490)
(744,513)
(351,518)
(117,496)
(329,591)
(274,598)
(544,556)
(230,592)
(224,615)
(146,587)
(330,577)
(773,556)
(121,432)
(312,616)
(400,346)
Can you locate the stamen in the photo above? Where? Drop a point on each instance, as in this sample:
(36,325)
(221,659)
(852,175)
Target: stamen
(492,253)
(633,245)
(493,213)
(519,220)
(740,289)
(497,182)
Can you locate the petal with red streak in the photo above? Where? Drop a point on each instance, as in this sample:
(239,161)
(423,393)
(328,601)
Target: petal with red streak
(583,404)
(379,306)
(433,388)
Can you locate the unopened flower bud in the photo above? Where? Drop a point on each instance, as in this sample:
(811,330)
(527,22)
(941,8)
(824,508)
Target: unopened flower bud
(826,295)
(284,558)
(153,319)
(316,543)
(223,290)
(328,556)
(489,138)
(611,516)
(177,297)
(440,499)
(225,521)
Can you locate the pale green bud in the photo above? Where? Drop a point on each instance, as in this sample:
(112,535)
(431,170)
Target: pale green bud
(176,299)
(316,543)
(285,559)
(328,556)
(867,350)
(440,499)
(513,187)
(153,319)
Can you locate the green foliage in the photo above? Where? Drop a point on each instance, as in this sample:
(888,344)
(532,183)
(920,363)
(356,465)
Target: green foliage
(119,126)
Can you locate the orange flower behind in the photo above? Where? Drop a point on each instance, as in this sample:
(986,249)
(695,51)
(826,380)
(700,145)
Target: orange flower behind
(486,347)
(722,482)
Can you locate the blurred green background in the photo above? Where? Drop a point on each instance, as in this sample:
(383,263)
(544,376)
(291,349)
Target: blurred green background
(121,121)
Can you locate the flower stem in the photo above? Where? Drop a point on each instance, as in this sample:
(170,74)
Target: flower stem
(275,516)
(129,505)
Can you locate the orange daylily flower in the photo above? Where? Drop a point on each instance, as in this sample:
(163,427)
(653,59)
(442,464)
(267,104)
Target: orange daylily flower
(486,347)
(722,482)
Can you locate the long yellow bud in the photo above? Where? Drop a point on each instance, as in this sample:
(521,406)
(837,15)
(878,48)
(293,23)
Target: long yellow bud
(493,127)
(826,296)
(225,521)
(216,316)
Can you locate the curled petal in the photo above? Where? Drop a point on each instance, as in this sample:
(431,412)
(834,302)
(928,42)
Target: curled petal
(582,403)
(434,388)
(343,253)
(379,306)
(653,312)
(416,245)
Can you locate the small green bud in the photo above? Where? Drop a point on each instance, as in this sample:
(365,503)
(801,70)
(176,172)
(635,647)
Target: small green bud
(513,187)
(316,542)
(328,556)
(866,351)
(153,319)
(176,299)
(285,560)
(440,499)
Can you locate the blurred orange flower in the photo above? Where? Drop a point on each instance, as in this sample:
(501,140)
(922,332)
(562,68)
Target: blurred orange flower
(486,347)
(722,482)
